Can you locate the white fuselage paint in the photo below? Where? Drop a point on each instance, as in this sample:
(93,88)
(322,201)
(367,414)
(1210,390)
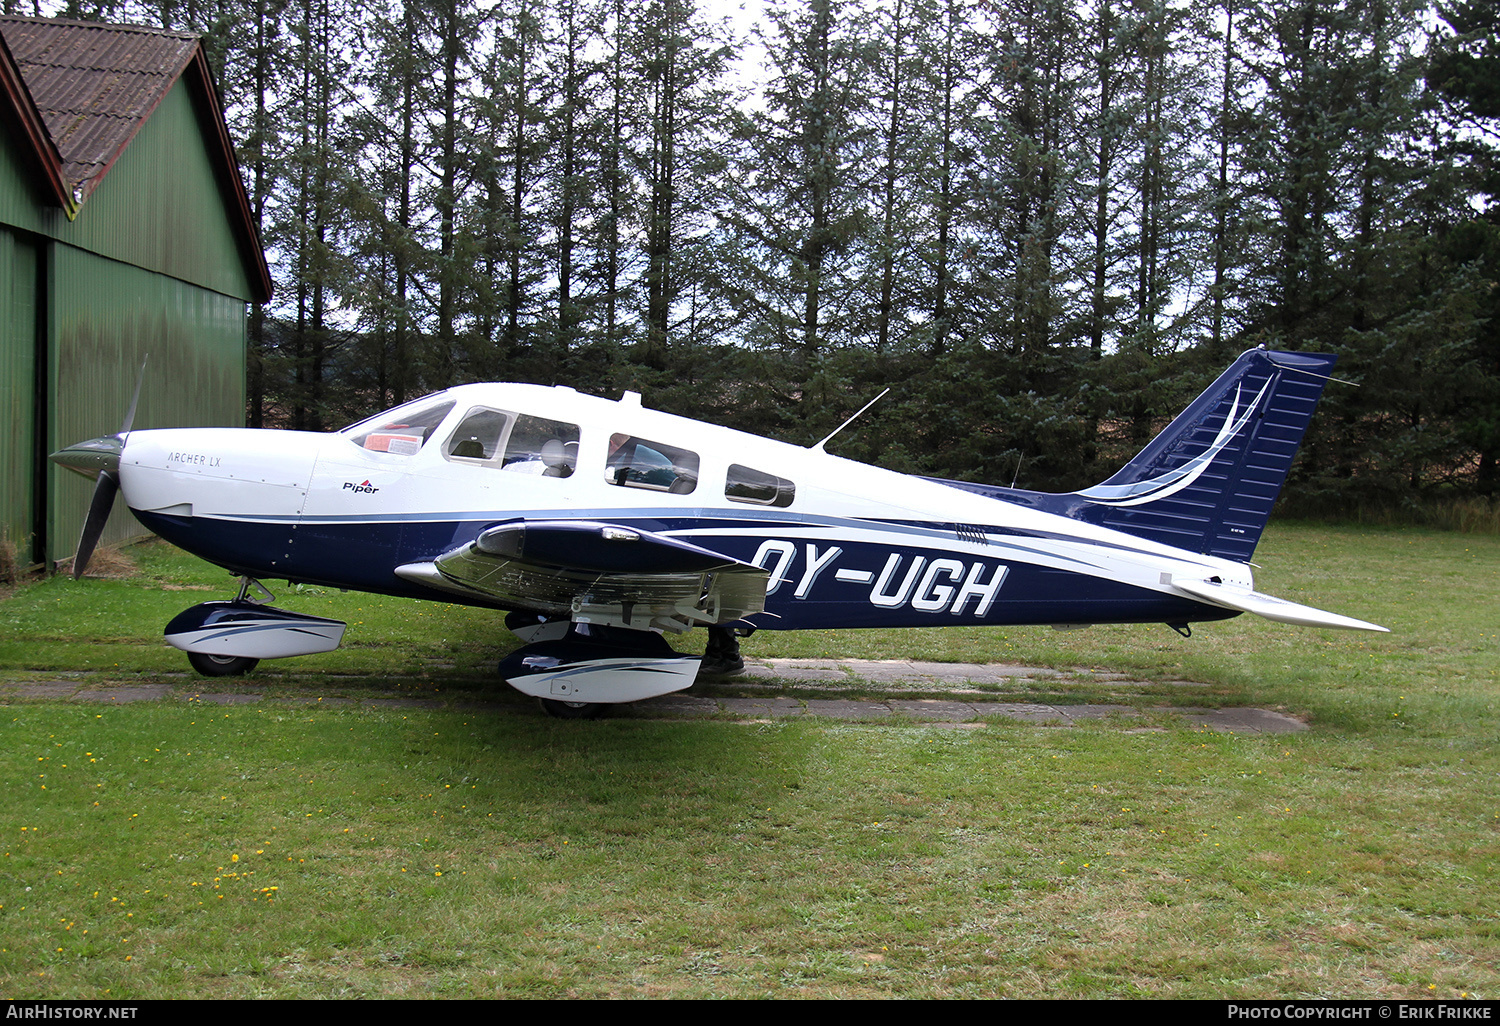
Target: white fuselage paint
(287,477)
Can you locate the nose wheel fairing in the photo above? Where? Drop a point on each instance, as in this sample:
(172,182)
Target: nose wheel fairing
(248,630)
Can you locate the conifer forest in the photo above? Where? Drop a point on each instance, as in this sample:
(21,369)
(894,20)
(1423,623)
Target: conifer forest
(1044,224)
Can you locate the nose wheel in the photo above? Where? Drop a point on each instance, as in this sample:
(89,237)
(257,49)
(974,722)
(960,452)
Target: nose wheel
(221,666)
(228,639)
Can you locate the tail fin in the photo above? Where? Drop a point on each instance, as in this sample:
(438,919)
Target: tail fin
(1208,482)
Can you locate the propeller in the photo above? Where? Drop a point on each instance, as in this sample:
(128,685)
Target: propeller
(99,510)
(99,458)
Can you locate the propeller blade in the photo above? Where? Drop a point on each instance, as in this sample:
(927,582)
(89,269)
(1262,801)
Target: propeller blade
(93,527)
(130,413)
(102,453)
(99,458)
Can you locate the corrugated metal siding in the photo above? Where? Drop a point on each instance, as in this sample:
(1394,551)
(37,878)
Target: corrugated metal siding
(161,205)
(20,199)
(18,441)
(106,317)
(151,264)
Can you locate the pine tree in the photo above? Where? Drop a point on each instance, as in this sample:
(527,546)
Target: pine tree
(947,96)
(798,203)
(312,217)
(1028,169)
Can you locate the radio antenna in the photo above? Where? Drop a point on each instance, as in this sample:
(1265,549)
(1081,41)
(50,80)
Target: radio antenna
(851,420)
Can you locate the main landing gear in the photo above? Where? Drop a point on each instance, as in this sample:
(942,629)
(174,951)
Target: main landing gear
(228,639)
(576,669)
(221,666)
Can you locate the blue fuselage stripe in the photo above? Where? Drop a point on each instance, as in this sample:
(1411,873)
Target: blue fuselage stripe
(907,581)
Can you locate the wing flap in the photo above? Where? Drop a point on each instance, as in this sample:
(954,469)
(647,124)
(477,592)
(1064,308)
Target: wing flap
(1270,607)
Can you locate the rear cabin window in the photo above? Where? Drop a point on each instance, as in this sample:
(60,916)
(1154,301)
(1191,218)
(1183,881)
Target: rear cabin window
(757,487)
(520,443)
(640,463)
(402,431)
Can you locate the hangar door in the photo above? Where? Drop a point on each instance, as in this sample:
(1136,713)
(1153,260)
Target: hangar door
(22,522)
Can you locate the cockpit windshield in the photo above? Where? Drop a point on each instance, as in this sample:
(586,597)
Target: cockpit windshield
(402,430)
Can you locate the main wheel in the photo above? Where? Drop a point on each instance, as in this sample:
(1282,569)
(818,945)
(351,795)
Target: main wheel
(573,710)
(221,666)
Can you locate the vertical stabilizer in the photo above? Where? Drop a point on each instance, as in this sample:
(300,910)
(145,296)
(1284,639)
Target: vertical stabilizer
(1207,483)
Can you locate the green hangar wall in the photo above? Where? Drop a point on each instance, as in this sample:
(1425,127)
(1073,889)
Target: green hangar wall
(124,231)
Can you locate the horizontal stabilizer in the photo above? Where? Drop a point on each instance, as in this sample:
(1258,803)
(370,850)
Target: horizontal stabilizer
(1270,607)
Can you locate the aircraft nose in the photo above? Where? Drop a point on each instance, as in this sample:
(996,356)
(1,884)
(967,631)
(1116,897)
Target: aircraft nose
(90,457)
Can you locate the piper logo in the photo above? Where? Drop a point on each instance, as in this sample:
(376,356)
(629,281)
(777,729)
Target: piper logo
(367,487)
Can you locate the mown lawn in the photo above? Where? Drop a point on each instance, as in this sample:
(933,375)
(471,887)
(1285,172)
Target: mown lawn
(299,846)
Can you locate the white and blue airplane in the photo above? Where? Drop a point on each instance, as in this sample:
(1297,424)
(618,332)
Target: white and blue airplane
(599,525)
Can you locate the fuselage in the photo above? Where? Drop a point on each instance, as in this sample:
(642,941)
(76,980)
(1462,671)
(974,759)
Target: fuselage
(846,544)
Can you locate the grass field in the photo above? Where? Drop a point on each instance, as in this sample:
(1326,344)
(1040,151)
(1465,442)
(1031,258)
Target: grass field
(467,846)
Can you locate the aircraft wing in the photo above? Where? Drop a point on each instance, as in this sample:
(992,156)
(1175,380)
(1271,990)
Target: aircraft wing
(1270,607)
(598,573)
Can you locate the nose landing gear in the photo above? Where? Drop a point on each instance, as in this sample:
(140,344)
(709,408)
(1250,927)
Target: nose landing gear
(228,639)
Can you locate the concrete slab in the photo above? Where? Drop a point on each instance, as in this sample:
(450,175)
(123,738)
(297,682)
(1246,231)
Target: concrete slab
(798,669)
(1244,721)
(129,693)
(952,678)
(847,709)
(1095,712)
(935,709)
(48,689)
(1026,712)
(680,704)
(778,707)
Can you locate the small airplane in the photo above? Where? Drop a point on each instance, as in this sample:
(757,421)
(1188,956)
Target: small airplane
(600,525)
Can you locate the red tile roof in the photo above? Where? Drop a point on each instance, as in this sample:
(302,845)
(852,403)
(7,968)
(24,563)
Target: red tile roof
(94,85)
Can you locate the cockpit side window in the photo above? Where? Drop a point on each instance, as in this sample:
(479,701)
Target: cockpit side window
(478,436)
(638,463)
(520,443)
(402,431)
(548,448)
(757,487)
